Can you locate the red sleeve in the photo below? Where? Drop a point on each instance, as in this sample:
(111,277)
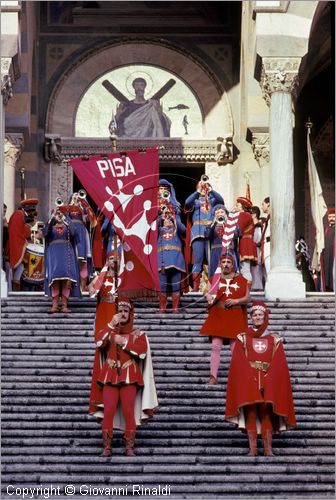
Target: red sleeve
(102,337)
(136,345)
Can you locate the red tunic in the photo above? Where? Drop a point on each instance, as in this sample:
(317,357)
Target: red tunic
(227,323)
(121,366)
(105,311)
(19,233)
(266,381)
(247,246)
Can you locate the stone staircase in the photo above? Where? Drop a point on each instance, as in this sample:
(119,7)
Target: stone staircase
(49,439)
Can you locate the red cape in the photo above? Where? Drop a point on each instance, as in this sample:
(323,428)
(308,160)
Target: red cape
(18,232)
(242,388)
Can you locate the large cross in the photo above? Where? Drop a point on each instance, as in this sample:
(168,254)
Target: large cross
(121,98)
(228,285)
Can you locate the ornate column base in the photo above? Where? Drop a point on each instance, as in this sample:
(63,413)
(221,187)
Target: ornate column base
(284,283)
(4,285)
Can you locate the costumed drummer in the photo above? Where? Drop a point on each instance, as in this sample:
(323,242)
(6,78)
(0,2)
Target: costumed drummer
(227,312)
(200,205)
(127,379)
(171,231)
(60,263)
(259,394)
(19,231)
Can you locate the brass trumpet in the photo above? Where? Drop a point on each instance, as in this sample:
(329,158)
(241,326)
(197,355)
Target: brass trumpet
(221,219)
(82,194)
(59,202)
(165,195)
(204,178)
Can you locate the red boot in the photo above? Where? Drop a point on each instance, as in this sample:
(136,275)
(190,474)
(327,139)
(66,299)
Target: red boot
(54,307)
(64,308)
(267,442)
(196,281)
(129,443)
(107,439)
(252,437)
(163,302)
(176,302)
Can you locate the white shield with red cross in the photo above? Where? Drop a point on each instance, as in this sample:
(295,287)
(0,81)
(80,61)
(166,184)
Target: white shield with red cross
(260,345)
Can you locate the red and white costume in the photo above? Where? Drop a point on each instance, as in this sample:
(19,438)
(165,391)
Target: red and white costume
(222,322)
(259,393)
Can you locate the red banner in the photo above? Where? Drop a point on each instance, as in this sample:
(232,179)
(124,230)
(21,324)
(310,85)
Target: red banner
(125,188)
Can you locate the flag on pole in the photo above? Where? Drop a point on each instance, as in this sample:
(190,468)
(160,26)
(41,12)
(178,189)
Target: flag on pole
(318,205)
(125,187)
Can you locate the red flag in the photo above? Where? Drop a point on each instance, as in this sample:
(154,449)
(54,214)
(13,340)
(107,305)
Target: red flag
(124,186)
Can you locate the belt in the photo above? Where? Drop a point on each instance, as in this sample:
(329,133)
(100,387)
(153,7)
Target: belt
(222,305)
(203,222)
(260,365)
(110,300)
(268,239)
(117,364)
(246,236)
(168,247)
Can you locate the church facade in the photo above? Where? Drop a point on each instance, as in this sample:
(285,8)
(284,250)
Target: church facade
(222,88)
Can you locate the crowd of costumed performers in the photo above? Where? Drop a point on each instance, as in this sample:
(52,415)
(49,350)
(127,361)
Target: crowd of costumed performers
(82,252)
(190,242)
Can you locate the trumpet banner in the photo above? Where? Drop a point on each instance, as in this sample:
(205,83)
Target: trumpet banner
(125,188)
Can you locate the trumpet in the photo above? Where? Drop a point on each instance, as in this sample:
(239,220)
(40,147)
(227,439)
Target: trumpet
(59,202)
(204,178)
(221,219)
(82,194)
(165,195)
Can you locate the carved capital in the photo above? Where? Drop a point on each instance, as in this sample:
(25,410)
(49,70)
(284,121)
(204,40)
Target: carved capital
(224,150)
(13,147)
(52,148)
(279,74)
(261,148)
(6,79)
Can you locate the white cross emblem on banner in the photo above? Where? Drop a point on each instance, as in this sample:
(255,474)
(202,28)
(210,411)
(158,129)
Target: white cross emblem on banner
(227,285)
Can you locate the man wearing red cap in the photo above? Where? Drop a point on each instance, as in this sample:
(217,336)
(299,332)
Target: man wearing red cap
(247,247)
(227,313)
(19,230)
(328,255)
(259,394)
(126,378)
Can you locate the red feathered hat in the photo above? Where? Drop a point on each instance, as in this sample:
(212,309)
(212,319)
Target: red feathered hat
(245,202)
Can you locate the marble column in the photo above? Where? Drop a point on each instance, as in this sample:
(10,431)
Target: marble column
(261,151)
(279,81)
(13,147)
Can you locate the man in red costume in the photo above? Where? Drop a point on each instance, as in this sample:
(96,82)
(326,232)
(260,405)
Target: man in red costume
(19,230)
(247,247)
(126,377)
(259,393)
(227,313)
